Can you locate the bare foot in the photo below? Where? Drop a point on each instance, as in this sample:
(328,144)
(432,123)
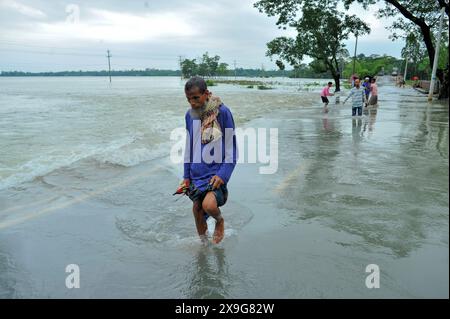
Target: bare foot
(203,229)
(204,240)
(219,231)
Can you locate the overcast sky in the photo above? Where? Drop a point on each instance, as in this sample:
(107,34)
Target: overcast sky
(74,35)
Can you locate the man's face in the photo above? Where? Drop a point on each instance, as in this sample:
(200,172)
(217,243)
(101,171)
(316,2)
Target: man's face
(195,98)
(357,83)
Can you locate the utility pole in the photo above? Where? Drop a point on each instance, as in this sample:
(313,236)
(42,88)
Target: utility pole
(436,57)
(406,68)
(354,55)
(109,66)
(235,70)
(181,69)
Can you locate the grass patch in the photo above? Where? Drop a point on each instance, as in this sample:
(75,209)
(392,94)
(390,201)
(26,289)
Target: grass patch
(347,86)
(240,82)
(312,84)
(264,87)
(210,83)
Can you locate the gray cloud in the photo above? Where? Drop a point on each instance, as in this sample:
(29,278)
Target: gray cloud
(38,36)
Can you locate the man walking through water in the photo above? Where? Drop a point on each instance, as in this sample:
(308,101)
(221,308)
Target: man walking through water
(210,156)
(358,98)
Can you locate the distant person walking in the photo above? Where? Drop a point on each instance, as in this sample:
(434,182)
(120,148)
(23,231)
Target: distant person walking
(324,96)
(358,98)
(352,79)
(373,93)
(366,86)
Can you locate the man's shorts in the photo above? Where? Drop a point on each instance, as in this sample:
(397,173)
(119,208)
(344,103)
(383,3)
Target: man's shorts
(324,99)
(221,194)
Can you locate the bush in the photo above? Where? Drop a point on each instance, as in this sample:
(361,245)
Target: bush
(263,87)
(210,83)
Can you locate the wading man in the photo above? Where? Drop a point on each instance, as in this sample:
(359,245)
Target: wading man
(358,98)
(210,155)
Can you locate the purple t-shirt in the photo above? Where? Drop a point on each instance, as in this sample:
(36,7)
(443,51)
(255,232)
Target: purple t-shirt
(195,168)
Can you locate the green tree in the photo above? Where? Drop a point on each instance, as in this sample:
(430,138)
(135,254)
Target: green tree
(209,65)
(321,30)
(203,67)
(416,16)
(189,68)
(414,51)
(372,65)
(222,69)
(213,64)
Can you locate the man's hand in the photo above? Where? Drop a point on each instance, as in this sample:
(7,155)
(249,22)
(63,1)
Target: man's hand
(216,181)
(187,182)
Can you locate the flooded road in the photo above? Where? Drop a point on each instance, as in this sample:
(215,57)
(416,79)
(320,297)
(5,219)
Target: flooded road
(347,193)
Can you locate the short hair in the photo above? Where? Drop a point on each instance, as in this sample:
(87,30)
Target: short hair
(374,80)
(198,82)
(330,83)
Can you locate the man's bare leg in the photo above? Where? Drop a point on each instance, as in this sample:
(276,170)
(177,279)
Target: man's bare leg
(200,222)
(210,206)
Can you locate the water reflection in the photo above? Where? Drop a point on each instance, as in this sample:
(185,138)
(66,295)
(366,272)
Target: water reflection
(210,277)
(356,129)
(391,191)
(327,124)
(370,120)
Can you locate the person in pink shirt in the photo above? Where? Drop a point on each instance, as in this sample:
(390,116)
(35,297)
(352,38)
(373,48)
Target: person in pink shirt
(324,95)
(373,93)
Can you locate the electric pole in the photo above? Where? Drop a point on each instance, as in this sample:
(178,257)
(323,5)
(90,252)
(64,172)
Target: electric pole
(109,66)
(181,69)
(406,68)
(436,57)
(354,55)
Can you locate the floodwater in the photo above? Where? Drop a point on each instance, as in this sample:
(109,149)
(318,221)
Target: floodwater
(86,179)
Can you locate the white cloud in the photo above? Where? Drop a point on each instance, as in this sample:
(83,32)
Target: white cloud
(23,9)
(152,35)
(115,27)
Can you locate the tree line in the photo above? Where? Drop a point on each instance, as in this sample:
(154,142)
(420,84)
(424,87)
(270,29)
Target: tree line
(373,65)
(321,29)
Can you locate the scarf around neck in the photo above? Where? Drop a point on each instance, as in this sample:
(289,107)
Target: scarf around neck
(211,129)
